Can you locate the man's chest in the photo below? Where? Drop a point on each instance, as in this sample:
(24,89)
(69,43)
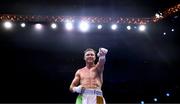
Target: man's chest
(89,74)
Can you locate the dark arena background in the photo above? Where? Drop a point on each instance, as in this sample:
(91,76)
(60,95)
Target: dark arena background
(42,44)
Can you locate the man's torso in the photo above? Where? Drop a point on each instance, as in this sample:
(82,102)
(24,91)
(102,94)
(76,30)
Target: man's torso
(91,78)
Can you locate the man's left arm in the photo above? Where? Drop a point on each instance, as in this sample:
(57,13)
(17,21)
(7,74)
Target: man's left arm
(102,58)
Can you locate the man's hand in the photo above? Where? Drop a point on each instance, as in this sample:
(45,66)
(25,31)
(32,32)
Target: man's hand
(102,52)
(77,89)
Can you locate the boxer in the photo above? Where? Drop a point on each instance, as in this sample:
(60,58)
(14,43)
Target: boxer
(89,79)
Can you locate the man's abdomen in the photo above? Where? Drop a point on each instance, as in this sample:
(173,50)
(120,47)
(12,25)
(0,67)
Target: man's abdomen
(91,83)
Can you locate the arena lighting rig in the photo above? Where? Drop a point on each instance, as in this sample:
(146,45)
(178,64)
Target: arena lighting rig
(90,19)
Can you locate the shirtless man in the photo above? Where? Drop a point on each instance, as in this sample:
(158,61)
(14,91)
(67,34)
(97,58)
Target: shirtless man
(89,79)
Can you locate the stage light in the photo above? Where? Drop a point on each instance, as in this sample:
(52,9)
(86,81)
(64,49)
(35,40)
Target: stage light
(142,28)
(164,33)
(84,26)
(172,30)
(99,26)
(53,25)
(158,15)
(128,27)
(142,102)
(7,25)
(38,26)
(155,99)
(23,25)
(167,94)
(69,26)
(113,26)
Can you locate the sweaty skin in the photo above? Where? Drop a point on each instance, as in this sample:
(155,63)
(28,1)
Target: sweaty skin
(90,76)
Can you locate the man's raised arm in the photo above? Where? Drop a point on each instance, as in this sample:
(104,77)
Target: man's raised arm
(102,58)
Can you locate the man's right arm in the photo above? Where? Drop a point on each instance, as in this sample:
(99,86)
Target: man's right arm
(75,82)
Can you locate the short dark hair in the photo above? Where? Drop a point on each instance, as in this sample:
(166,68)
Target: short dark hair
(89,49)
